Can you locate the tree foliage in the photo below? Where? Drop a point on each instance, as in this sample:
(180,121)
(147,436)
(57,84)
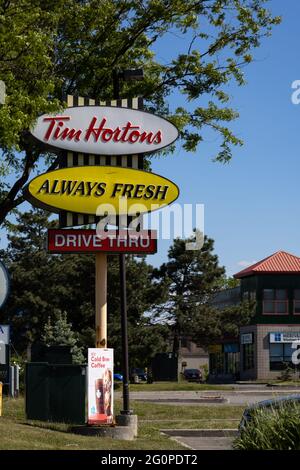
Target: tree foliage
(45,285)
(193,278)
(58,332)
(52,47)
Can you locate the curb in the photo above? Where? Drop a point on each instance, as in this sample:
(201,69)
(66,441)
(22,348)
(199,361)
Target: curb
(296,387)
(200,432)
(183,400)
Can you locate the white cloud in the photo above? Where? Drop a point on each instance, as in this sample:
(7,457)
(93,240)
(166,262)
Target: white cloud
(245,264)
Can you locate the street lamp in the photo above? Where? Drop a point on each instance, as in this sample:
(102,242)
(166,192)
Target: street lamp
(126,75)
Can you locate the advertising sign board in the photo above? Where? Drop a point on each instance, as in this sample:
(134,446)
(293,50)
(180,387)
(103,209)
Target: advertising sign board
(285,337)
(105,130)
(89,241)
(4,285)
(247,338)
(97,190)
(100,386)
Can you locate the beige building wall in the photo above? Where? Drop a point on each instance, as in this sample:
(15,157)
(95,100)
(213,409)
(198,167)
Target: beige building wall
(194,357)
(193,362)
(261,369)
(263,348)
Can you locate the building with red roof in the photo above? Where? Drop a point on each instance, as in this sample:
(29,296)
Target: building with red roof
(269,345)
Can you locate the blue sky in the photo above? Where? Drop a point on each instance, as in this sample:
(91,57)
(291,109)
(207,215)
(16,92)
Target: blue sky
(252,205)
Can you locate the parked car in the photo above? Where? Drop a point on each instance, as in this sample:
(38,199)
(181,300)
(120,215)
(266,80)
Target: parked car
(267,404)
(138,372)
(192,375)
(118,377)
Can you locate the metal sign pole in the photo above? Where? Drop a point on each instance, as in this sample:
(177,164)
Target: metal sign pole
(126,410)
(123,299)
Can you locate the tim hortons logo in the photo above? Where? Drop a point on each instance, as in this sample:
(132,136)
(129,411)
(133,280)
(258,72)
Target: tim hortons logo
(105,130)
(99,131)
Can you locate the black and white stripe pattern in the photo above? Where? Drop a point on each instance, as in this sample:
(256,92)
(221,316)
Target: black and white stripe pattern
(70,159)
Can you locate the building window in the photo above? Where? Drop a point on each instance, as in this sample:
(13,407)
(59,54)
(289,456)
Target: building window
(275,302)
(216,363)
(249,296)
(297,301)
(184,343)
(248,356)
(280,356)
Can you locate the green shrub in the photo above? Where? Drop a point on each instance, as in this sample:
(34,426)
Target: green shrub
(272,429)
(286,373)
(205,372)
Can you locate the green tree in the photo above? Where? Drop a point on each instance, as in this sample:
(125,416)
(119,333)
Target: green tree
(58,332)
(45,285)
(51,47)
(193,278)
(42,284)
(143,294)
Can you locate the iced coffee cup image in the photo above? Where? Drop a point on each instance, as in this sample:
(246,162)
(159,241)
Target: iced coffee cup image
(99,392)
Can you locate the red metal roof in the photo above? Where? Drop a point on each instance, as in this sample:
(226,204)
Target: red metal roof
(279,262)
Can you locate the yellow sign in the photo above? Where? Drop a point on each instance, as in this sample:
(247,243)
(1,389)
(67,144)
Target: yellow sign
(100,190)
(215,348)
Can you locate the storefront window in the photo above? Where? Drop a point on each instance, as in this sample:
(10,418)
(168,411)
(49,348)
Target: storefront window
(297,301)
(216,363)
(280,356)
(224,363)
(248,356)
(275,301)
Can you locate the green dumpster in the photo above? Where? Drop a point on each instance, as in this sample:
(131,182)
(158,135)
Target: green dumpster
(56,392)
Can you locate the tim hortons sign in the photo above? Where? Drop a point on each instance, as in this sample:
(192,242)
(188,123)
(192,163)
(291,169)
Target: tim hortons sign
(111,241)
(101,190)
(105,130)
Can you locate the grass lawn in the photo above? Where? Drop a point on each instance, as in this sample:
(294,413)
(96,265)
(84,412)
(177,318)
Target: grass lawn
(18,433)
(175,386)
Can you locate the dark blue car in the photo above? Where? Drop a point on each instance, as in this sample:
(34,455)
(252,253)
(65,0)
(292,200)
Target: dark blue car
(118,377)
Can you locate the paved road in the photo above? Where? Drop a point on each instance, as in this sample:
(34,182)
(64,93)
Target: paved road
(209,439)
(240,396)
(206,443)
(235,397)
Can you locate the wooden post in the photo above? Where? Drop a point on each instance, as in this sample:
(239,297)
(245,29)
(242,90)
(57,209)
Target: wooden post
(101,300)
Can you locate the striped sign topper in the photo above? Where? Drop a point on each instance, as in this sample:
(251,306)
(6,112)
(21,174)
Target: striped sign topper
(70,159)
(105,130)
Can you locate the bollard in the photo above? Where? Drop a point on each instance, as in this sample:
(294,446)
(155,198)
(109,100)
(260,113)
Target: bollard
(11,382)
(16,381)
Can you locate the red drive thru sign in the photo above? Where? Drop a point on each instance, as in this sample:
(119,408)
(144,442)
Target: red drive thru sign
(111,241)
